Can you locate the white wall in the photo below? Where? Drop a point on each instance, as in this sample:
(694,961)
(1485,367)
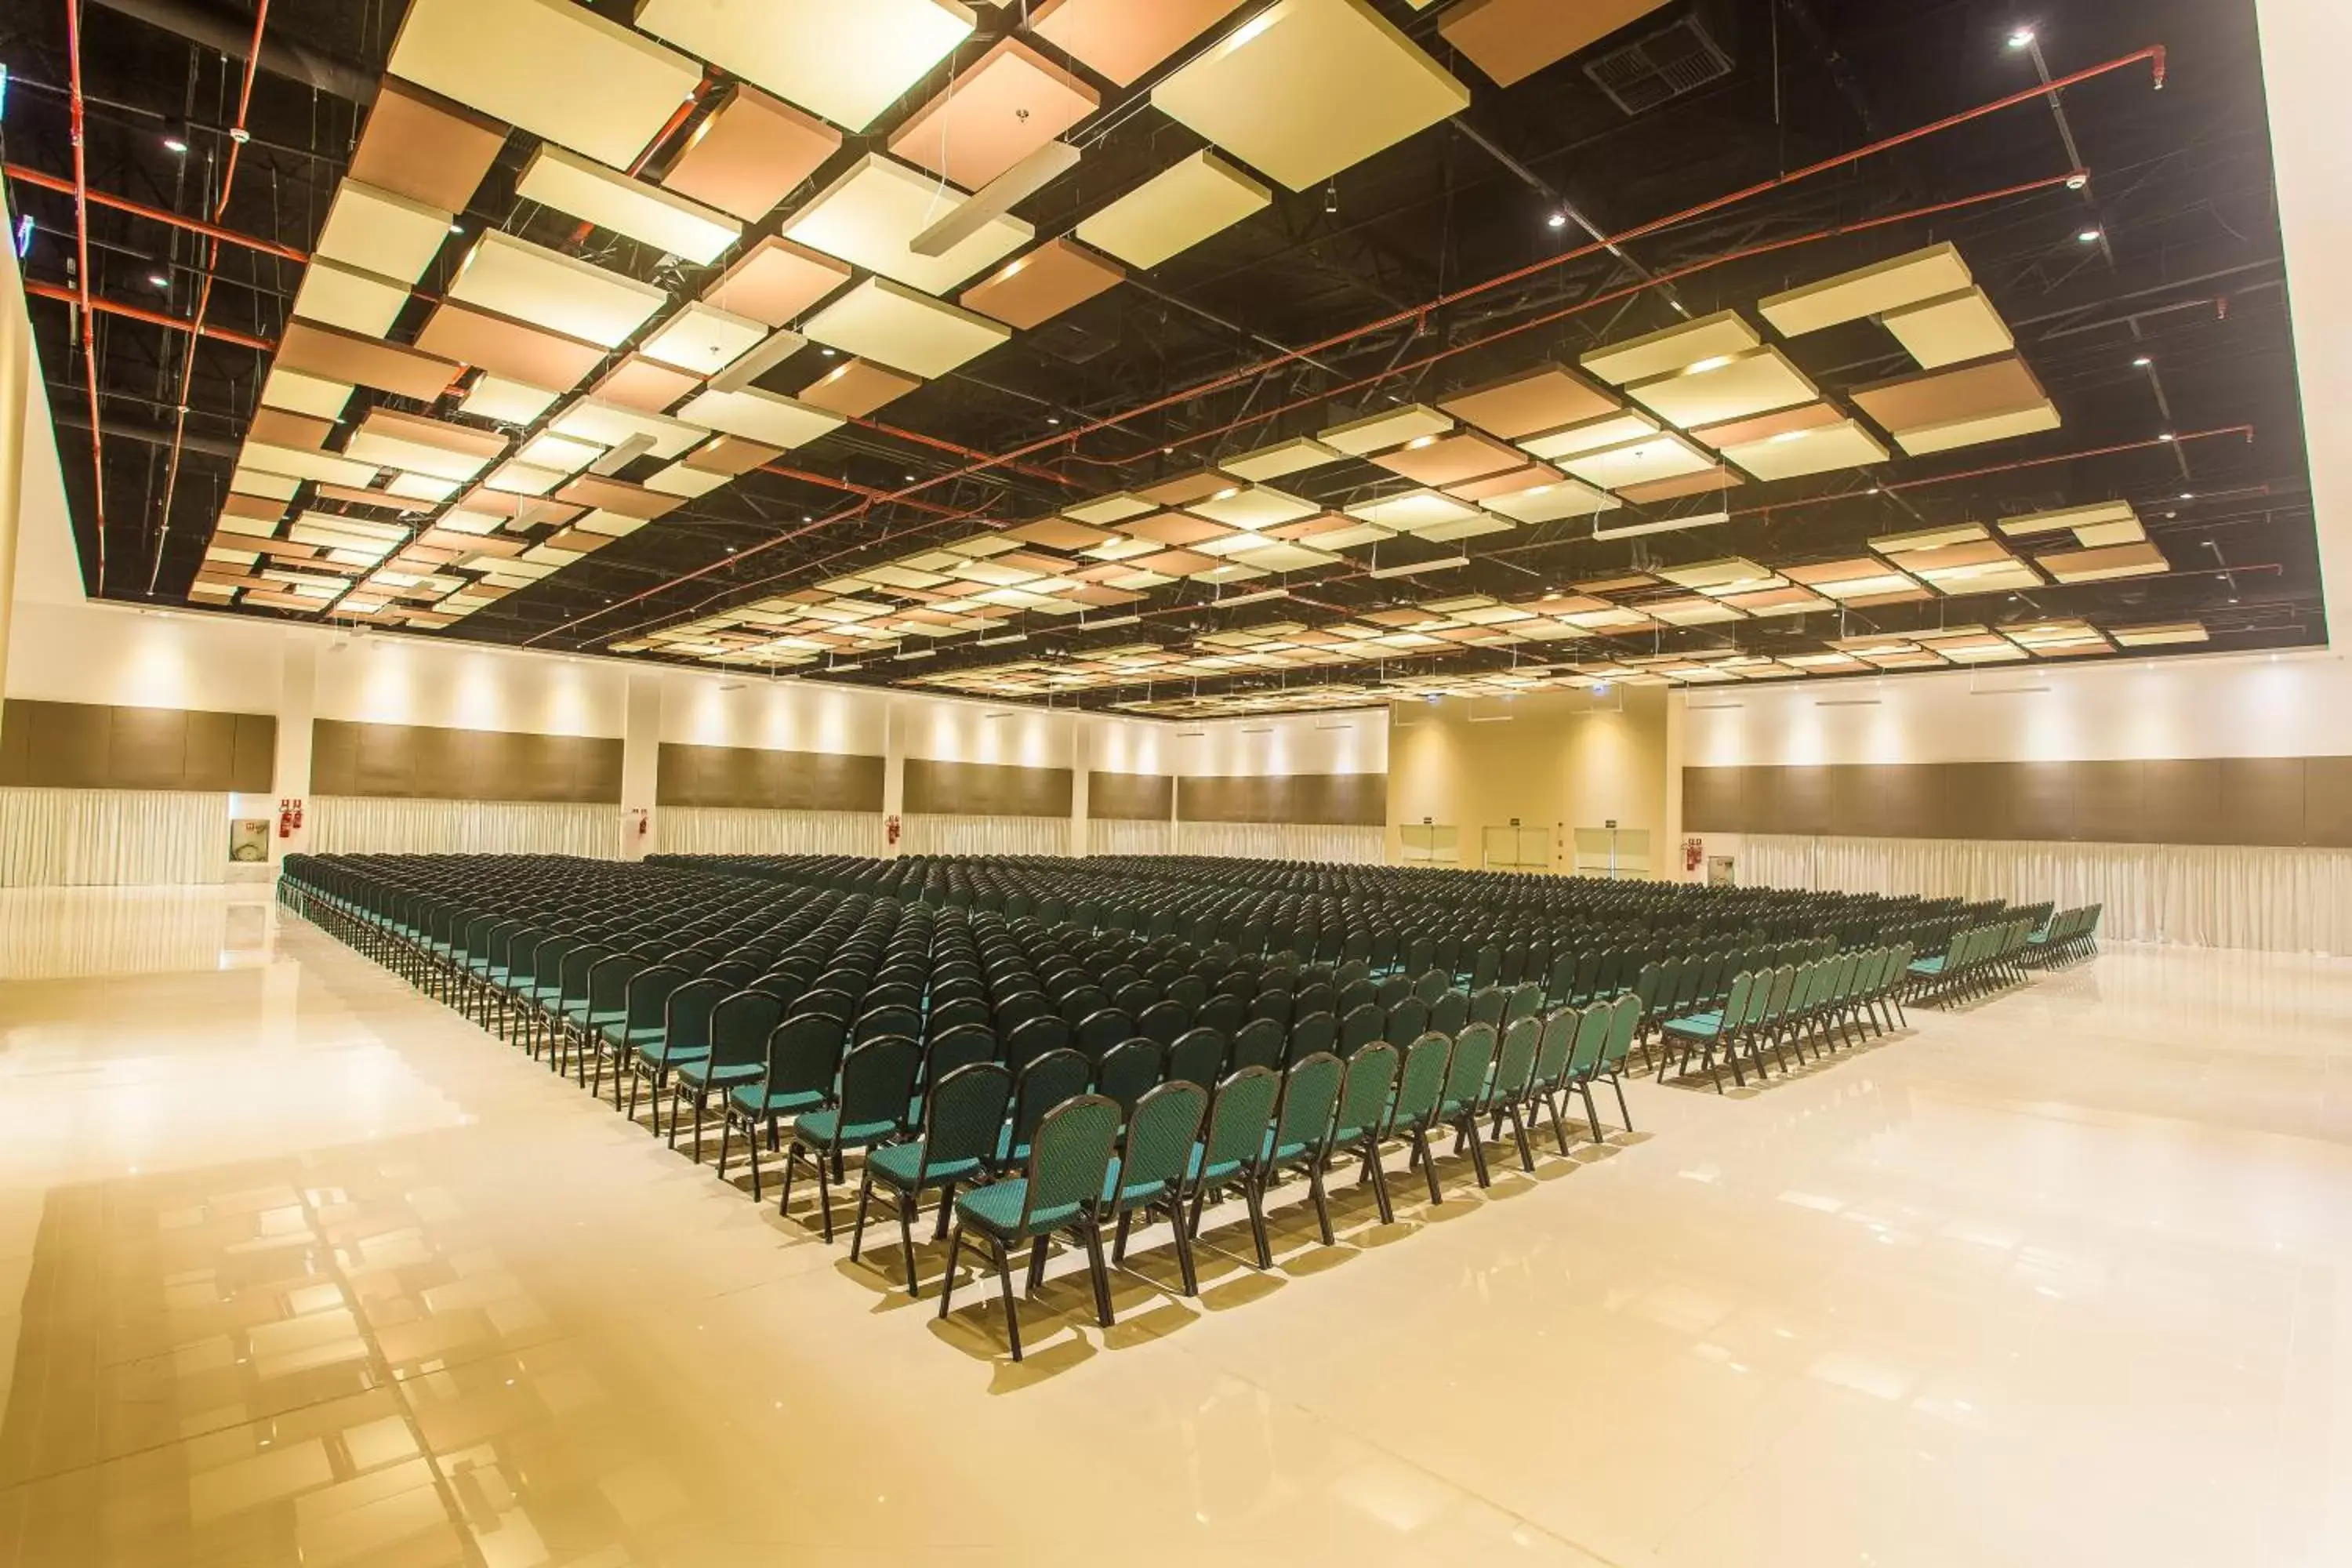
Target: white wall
(123,657)
(1356,742)
(2259,705)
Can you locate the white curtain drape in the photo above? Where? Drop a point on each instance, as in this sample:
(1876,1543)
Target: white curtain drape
(2273,901)
(1283,841)
(1108,837)
(986,836)
(111,838)
(354,825)
(710,830)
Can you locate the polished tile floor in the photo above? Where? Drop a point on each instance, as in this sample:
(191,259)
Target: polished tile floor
(298,1267)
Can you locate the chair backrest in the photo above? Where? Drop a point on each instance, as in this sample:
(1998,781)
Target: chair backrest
(1360,1028)
(1466,1072)
(1259,1043)
(1161,1128)
(1225,1013)
(1406,1022)
(1197,1056)
(1239,1116)
(876,1022)
(739,1027)
(1524,1001)
(877,1081)
(1364,1092)
(1068,1158)
(1311,1033)
(804,1055)
(649,991)
(1557,1047)
(1163,1021)
(1034,1038)
(1487,1004)
(686,1021)
(1046,1081)
(1098,1031)
(958,1047)
(1272,1004)
(1421,1078)
(1433,984)
(1450,1013)
(1310,1094)
(1128,1070)
(1625,1023)
(1515,1061)
(1592,1038)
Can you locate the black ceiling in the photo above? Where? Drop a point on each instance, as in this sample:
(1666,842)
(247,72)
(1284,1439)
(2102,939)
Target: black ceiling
(2189,278)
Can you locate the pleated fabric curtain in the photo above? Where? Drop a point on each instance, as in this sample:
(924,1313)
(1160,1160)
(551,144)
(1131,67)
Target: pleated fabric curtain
(111,838)
(1284,841)
(709,830)
(2270,900)
(928,834)
(1131,838)
(355,825)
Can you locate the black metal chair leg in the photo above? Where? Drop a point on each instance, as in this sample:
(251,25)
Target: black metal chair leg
(907,1240)
(1257,1201)
(1378,1177)
(1322,1204)
(947,1286)
(1093,1227)
(858,1231)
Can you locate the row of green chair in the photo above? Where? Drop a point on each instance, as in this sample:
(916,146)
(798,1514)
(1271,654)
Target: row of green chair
(1815,1004)
(1982,959)
(2072,935)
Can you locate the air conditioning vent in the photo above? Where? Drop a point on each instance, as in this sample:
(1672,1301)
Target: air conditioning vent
(1661,68)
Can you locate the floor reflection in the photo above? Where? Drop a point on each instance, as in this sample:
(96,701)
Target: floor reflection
(297,1268)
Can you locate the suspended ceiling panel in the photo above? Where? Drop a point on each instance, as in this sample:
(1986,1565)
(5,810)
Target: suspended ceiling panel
(422,146)
(507,401)
(2101,565)
(1640,462)
(420,445)
(381,232)
(1511,40)
(1254,507)
(511,348)
(750,154)
(703,339)
(776,281)
(557,69)
(1816,450)
(1277,461)
(904,329)
(612,200)
(847,61)
(1965,406)
(998,110)
(1413,511)
(347,297)
(855,388)
(330,353)
(1307,87)
(1175,210)
(547,288)
(1031,289)
(871,215)
(609,425)
(642,383)
(1120,39)
(1386,430)
(1725,387)
(1721,336)
(1452,460)
(284,388)
(1871,290)
(1950,329)
(1530,403)
(1592,435)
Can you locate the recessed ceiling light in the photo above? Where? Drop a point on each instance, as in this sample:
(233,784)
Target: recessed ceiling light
(160,280)
(2089,236)
(1557,220)
(2142,363)
(2022,39)
(175,141)
(2167,435)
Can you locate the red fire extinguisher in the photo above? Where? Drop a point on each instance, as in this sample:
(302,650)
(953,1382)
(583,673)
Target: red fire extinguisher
(1693,851)
(290,816)
(891,828)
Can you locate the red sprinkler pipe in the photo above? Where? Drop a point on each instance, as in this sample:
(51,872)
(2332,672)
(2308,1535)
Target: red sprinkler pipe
(236,139)
(82,245)
(106,307)
(26,176)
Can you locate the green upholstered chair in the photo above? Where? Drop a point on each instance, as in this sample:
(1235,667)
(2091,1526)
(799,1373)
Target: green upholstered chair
(964,1115)
(1061,1190)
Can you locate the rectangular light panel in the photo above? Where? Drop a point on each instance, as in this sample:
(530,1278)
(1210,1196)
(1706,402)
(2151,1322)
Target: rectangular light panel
(871,215)
(1307,87)
(557,69)
(1175,210)
(612,200)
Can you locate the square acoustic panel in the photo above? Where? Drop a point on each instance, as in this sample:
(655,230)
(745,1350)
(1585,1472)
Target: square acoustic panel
(1964,406)
(1725,387)
(846,60)
(347,297)
(625,205)
(1511,40)
(507,347)
(422,146)
(557,69)
(750,154)
(1175,210)
(703,339)
(1530,403)
(1307,87)
(1950,329)
(1723,336)
(1278,461)
(380,233)
(329,353)
(1030,291)
(904,329)
(855,388)
(998,110)
(547,288)
(775,281)
(1872,290)
(1120,39)
(871,216)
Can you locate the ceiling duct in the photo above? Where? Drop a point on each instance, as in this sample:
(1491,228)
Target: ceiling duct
(1677,59)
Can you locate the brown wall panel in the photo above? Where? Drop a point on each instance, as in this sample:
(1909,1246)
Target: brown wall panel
(88,745)
(749,778)
(1130,798)
(2284,801)
(1714,799)
(987,789)
(1351,800)
(416,762)
(2328,802)
(2262,800)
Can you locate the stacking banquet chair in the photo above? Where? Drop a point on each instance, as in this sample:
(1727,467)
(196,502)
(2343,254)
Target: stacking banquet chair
(804,1063)
(739,1027)
(685,1037)
(1235,1140)
(1299,1140)
(1148,1171)
(877,1079)
(1463,1094)
(1361,1113)
(1040,1086)
(1061,1191)
(1555,1058)
(641,1023)
(1512,1084)
(963,1119)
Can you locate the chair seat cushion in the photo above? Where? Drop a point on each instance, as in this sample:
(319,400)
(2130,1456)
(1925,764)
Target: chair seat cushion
(997,1210)
(1927,966)
(700,1073)
(752,1101)
(1703,1026)
(824,1130)
(1128,1194)
(1223,1170)
(1270,1152)
(660,1054)
(616,1035)
(900,1163)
